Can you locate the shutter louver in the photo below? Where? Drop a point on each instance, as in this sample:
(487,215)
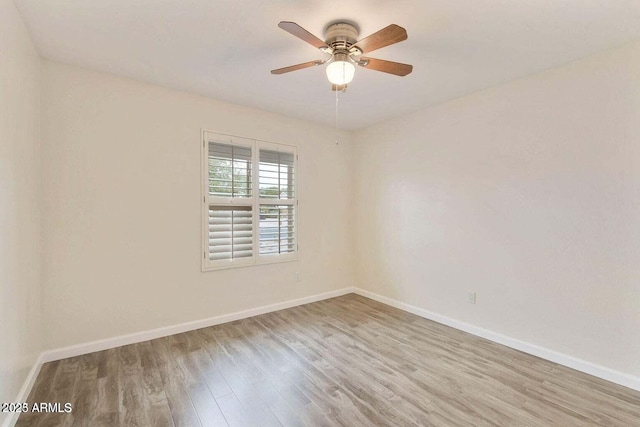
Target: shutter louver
(230,232)
(229,170)
(276,174)
(277,229)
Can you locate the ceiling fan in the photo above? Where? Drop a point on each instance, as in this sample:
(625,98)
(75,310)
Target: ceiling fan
(345,50)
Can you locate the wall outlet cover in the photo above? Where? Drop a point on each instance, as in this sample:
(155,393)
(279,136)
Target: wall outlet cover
(471,297)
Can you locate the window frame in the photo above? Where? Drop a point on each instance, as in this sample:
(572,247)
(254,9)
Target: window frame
(255,201)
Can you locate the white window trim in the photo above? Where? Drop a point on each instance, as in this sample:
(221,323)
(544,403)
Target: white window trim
(255,201)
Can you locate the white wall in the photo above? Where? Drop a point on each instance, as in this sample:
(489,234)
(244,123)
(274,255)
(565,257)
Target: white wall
(122,208)
(20,198)
(528,194)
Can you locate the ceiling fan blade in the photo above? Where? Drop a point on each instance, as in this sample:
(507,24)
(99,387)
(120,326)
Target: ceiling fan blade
(390,67)
(337,88)
(296,67)
(385,37)
(301,33)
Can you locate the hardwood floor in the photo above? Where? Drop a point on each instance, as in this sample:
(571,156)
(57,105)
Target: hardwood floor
(345,361)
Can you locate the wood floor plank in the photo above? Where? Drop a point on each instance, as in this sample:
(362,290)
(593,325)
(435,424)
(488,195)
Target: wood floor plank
(153,388)
(234,413)
(243,377)
(289,405)
(134,403)
(40,392)
(310,346)
(183,412)
(107,411)
(211,373)
(196,386)
(346,361)
(63,391)
(284,368)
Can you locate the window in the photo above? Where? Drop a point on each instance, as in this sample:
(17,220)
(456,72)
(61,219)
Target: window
(241,225)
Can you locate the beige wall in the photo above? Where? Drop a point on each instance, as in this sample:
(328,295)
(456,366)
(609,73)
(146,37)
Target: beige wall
(122,208)
(528,194)
(20,198)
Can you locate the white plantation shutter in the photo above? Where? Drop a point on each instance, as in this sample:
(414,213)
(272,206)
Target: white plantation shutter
(277,225)
(277,229)
(230,232)
(276,174)
(229,170)
(250,205)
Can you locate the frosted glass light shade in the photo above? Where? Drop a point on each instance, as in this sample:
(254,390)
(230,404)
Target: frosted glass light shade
(340,72)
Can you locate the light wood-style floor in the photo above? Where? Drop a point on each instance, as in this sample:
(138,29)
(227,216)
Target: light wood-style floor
(345,361)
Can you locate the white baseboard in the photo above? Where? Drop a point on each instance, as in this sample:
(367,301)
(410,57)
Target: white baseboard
(24,391)
(99,345)
(542,352)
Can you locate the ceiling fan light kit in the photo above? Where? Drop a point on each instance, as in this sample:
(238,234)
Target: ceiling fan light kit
(341,70)
(341,43)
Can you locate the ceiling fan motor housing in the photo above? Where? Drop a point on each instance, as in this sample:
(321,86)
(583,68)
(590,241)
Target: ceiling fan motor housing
(341,36)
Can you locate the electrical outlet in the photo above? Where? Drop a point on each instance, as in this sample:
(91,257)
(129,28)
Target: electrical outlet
(471,297)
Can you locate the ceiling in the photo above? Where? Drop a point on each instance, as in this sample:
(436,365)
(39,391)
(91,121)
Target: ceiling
(225,49)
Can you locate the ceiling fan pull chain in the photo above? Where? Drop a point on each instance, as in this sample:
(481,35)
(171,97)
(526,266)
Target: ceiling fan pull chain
(336,118)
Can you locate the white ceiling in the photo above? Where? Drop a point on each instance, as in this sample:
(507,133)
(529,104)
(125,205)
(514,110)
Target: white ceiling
(225,49)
